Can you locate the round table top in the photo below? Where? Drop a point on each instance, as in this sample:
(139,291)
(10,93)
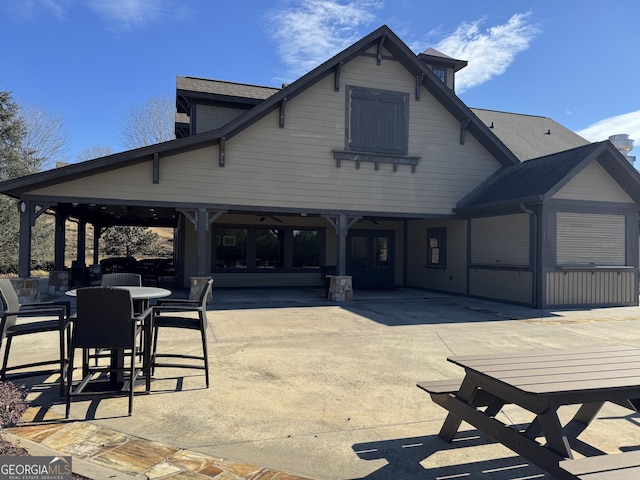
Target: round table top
(137,293)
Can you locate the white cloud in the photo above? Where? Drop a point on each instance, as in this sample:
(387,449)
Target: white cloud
(491,51)
(316,30)
(628,123)
(28,9)
(123,15)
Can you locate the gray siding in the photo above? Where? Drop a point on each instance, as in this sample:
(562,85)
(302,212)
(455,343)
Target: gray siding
(209,117)
(453,278)
(591,287)
(514,286)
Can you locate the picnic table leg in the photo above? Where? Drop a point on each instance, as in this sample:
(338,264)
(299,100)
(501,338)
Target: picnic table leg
(449,427)
(587,412)
(452,423)
(554,433)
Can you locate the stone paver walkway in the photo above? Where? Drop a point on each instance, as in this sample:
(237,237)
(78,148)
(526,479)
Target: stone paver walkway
(138,457)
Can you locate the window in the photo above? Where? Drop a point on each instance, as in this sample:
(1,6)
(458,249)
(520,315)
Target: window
(270,248)
(437,247)
(231,248)
(306,249)
(381,252)
(441,73)
(258,248)
(377,121)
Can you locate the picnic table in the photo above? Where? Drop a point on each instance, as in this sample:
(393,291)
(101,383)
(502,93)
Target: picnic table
(542,382)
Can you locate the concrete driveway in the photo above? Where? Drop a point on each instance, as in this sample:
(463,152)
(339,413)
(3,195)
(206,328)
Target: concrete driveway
(327,391)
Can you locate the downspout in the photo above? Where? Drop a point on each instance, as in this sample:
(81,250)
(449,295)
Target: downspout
(534,260)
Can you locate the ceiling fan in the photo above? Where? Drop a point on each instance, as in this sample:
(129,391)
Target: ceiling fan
(264,216)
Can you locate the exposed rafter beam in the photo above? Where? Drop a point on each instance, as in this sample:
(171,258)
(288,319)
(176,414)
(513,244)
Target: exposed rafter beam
(156,167)
(221,152)
(464,125)
(419,79)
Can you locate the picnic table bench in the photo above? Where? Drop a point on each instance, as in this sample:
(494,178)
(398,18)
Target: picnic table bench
(621,466)
(541,382)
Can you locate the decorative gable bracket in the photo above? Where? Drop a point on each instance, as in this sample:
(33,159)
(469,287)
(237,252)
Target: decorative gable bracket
(376,159)
(464,125)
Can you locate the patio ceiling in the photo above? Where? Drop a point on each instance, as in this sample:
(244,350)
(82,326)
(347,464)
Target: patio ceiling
(113,214)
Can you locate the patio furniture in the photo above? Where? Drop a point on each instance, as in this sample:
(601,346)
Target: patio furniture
(128,280)
(539,382)
(622,466)
(105,321)
(121,278)
(11,327)
(170,313)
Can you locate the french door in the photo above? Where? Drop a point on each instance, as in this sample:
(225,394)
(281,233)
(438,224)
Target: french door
(370,258)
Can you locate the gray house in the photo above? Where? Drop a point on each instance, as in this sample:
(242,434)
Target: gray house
(371,168)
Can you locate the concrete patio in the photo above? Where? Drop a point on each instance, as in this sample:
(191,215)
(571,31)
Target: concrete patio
(303,387)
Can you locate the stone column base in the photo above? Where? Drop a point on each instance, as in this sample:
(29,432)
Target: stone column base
(340,288)
(197,284)
(59,282)
(28,289)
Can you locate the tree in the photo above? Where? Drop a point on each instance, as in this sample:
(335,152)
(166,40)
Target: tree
(30,139)
(130,241)
(94,152)
(149,123)
(12,131)
(45,138)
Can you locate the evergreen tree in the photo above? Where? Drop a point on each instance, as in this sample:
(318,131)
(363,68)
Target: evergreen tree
(130,241)
(24,151)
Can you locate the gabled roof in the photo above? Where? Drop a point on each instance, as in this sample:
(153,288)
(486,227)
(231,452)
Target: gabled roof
(538,179)
(529,136)
(382,37)
(431,55)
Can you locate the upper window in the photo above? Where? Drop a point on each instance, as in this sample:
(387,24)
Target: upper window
(437,247)
(441,73)
(377,121)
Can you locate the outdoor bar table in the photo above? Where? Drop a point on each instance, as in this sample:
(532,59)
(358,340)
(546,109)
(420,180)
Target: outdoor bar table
(137,293)
(539,382)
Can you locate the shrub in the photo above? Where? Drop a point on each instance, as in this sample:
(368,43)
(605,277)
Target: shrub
(13,403)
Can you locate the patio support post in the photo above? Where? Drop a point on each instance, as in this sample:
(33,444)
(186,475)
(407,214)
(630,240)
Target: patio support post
(343,228)
(202,225)
(97,231)
(60,239)
(82,242)
(26,222)
(342,223)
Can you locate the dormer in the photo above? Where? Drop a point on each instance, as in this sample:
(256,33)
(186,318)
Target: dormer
(203,105)
(442,65)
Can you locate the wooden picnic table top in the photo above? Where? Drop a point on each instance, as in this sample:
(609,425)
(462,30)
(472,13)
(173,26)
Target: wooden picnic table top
(559,371)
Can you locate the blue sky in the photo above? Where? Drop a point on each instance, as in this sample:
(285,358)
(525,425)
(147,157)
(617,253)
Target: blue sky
(90,62)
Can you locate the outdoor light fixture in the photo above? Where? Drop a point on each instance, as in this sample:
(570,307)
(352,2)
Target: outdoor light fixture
(22,206)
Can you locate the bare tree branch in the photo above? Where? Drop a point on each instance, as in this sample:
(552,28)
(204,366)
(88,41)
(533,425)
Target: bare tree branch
(149,123)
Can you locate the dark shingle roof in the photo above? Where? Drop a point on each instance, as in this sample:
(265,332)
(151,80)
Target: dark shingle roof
(533,178)
(219,87)
(529,136)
